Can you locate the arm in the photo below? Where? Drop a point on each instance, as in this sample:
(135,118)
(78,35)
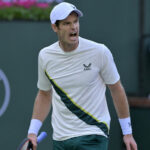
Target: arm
(42,105)
(122,109)
(41,110)
(119,99)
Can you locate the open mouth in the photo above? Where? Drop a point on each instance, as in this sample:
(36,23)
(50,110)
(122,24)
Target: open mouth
(73,34)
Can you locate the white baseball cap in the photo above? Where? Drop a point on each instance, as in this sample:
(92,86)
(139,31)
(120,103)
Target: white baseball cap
(62,11)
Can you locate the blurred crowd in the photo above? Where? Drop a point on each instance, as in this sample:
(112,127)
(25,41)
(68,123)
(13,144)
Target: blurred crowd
(48,1)
(27,3)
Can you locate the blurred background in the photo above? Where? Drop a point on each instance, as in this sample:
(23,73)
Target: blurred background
(123,26)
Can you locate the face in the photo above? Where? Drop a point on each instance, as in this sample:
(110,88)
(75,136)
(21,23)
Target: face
(68,32)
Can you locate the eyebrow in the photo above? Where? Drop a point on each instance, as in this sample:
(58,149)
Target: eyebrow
(66,21)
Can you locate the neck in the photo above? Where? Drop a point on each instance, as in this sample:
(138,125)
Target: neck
(68,47)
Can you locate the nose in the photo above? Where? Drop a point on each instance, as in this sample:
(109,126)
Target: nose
(73,25)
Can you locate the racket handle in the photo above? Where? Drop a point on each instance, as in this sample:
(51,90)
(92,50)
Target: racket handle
(41,137)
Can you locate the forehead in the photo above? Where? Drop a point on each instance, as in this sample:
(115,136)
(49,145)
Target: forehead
(73,15)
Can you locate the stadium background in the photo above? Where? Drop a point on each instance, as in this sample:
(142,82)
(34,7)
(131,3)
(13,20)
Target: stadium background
(117,24)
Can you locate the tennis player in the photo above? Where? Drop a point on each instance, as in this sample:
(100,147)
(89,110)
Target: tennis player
(72,77)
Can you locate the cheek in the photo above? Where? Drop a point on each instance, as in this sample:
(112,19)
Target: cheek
(61,34)
(78,28)
(64,34)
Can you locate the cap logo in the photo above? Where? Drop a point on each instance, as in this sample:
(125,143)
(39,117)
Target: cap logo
(73,7)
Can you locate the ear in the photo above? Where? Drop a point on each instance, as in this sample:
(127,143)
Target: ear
(54,27)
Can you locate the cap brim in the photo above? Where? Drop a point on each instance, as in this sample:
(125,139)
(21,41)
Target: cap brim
(80,14)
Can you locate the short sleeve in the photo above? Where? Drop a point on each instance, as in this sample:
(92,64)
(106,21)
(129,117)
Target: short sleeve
(43,82)
(108,71)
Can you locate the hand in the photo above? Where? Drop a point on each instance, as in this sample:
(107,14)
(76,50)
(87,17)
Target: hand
(33,139)
(130,142)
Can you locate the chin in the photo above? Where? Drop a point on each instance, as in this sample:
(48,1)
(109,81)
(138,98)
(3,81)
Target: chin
(74,42)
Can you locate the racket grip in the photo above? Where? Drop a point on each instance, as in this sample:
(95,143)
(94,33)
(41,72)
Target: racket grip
(41,137)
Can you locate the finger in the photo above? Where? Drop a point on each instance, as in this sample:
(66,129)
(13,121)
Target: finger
(128,146)
(34,145)
(134,146)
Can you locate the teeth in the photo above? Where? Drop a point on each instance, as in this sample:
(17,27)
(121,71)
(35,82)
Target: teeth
(73,34)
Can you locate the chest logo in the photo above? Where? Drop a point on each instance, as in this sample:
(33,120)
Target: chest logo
(87,67)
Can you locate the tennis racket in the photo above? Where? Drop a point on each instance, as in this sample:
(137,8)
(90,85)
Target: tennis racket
(27,145)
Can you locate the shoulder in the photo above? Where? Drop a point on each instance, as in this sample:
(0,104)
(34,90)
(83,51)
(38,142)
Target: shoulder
(98,50)
(47,50)
(92,45)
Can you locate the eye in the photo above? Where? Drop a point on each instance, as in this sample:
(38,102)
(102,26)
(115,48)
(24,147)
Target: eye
(66,23)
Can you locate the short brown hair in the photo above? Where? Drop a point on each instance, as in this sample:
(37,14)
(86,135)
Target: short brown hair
(57,23)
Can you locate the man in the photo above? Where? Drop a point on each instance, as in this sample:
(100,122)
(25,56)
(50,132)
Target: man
(72,75)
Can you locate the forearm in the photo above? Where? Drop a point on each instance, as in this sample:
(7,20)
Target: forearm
(40,111)
(122,108)
(120,100)
(42,105)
